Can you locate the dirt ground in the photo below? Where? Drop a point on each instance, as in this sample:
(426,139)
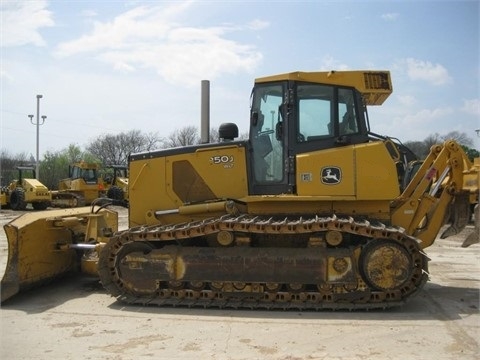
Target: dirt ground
(75,319)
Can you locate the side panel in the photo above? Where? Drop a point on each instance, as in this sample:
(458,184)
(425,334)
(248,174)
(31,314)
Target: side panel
(207,174)
(327,173)
(147,190)
(360,172)
(377,177)
(164,181)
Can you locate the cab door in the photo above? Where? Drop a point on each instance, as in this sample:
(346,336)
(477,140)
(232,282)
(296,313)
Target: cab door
(271,170)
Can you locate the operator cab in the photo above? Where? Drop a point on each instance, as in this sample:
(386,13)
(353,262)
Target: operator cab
(297,113)
(89,175)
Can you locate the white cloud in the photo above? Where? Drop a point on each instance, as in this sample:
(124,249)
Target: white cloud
(407,100)
(408,125)
(471,106)
(258,24)
(21,22)
(132,27)
(435,74)
(152,38)
(426,116)
(121,66)
(390,16)
(89,13)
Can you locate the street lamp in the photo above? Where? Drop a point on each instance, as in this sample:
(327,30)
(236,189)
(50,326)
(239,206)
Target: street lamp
(37,123)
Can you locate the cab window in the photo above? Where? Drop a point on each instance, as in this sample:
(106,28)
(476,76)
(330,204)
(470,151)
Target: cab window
(325,111)
(346,112)
(315,107)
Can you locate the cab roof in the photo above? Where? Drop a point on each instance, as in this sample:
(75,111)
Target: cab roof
(375,86)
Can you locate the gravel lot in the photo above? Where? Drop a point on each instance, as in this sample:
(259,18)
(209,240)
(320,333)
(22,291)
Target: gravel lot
(75,319)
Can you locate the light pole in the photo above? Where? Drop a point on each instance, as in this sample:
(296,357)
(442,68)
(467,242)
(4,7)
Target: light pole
(37,123)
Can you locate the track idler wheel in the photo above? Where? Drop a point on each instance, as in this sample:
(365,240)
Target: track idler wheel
(109,270)
(385,265)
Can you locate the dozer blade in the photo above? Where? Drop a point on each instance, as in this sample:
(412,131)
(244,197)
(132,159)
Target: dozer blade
(40,246)
(474,237)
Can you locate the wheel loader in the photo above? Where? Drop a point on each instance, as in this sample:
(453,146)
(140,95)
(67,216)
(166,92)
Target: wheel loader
(3,198)
(115,181)
(311,212)
(26,189)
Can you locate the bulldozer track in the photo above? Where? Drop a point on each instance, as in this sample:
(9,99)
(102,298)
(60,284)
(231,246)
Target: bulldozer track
(330,297)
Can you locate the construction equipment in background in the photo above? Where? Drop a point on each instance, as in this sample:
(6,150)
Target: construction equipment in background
(24,190)
(311,212)
(3,198)
(115,181)
(3,194)
(471,183)
(81,188)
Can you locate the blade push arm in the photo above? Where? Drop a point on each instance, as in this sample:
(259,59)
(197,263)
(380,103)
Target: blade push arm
(423,205)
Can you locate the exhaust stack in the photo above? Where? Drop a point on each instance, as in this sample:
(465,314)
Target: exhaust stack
(205,113)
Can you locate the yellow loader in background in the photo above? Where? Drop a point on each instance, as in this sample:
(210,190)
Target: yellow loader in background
(311,212)
(24,190)
(115,181)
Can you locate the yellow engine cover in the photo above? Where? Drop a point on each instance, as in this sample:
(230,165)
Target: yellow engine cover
(357,172)
(175,178)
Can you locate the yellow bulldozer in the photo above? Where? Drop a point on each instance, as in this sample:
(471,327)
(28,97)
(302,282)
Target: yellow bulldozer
(311,212)
(81,188)
(24,190)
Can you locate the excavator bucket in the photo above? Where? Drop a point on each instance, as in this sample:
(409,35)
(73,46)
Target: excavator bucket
(44,245)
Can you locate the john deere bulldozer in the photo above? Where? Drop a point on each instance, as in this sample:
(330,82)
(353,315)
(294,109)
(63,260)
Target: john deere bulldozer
(81,188)
(311,212)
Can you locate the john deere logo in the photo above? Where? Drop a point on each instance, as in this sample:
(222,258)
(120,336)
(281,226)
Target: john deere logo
(331,175)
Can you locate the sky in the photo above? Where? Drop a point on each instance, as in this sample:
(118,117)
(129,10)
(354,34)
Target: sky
(107,67)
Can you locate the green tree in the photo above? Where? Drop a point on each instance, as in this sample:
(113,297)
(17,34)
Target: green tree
(471,153)
(54,165)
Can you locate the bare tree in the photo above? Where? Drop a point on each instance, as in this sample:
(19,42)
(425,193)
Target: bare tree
(244,135)
(187,135)
(8,164)
(430,140)
(115,149)
(460,137)
(422,148)
(214,135)
(419,148)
